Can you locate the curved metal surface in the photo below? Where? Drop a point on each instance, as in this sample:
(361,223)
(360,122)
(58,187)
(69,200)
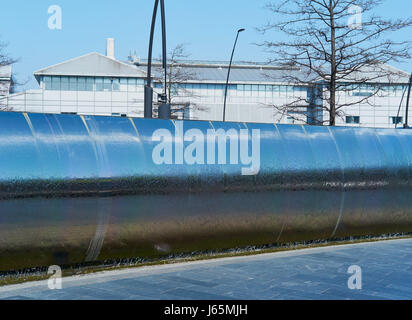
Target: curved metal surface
(76,189)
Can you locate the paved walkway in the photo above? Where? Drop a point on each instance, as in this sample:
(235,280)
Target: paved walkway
(320,273)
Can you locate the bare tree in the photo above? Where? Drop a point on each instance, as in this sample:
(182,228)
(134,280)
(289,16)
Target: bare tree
(5,60)
(179,74)
(341,46)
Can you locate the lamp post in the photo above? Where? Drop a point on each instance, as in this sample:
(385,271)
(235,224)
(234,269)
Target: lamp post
(406,125)
(164,109)
(228,73)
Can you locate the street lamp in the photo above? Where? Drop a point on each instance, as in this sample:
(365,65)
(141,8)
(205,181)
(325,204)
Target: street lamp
(406,125)
(164,108)
(228,73)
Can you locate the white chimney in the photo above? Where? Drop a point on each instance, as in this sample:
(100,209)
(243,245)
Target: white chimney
(110,48)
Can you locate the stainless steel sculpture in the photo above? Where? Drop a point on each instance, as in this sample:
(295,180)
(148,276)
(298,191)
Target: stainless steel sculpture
(76,189)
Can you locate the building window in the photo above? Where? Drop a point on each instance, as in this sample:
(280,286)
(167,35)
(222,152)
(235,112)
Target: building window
(352,119)
(103,84)
(398,90)
(384,90)
(81,84)
(291,120)
(123,84)
(396,120)
(107,84)
(116,84)
(392,90)
(363,90)
(99,84)
(275,90)
(73,83)
(64,86)
(283,90)
(85,84)
(299,90)
(89,84)
(47,83)
(55,83)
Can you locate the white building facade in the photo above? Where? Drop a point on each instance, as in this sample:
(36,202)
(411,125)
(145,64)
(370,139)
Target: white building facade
(97,84)
(6,81)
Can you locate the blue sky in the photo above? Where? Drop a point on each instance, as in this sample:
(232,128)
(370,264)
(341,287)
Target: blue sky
(207,26)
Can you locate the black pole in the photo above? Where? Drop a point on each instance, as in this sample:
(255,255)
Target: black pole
(148,90)
(164,109)
(228,73)
(406,125)
(162,5)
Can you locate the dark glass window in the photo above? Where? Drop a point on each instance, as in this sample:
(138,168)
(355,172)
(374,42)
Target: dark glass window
(397,120)
(352,119)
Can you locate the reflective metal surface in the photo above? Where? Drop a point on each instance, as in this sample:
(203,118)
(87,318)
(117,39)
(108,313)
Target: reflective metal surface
(75,189)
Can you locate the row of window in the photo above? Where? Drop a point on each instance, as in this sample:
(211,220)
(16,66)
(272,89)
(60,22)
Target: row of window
(92,84)
(355,90)
(61,83)
(200,86)
(367,90)
(238,87)
(356,120)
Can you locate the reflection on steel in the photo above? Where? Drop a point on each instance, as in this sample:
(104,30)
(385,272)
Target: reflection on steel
(76,189)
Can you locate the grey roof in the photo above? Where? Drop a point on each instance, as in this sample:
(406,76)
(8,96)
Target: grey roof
(96,64)
(92,64)
(379,73)
(240,73)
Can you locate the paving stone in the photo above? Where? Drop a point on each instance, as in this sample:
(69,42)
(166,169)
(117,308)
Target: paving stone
(318,274)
